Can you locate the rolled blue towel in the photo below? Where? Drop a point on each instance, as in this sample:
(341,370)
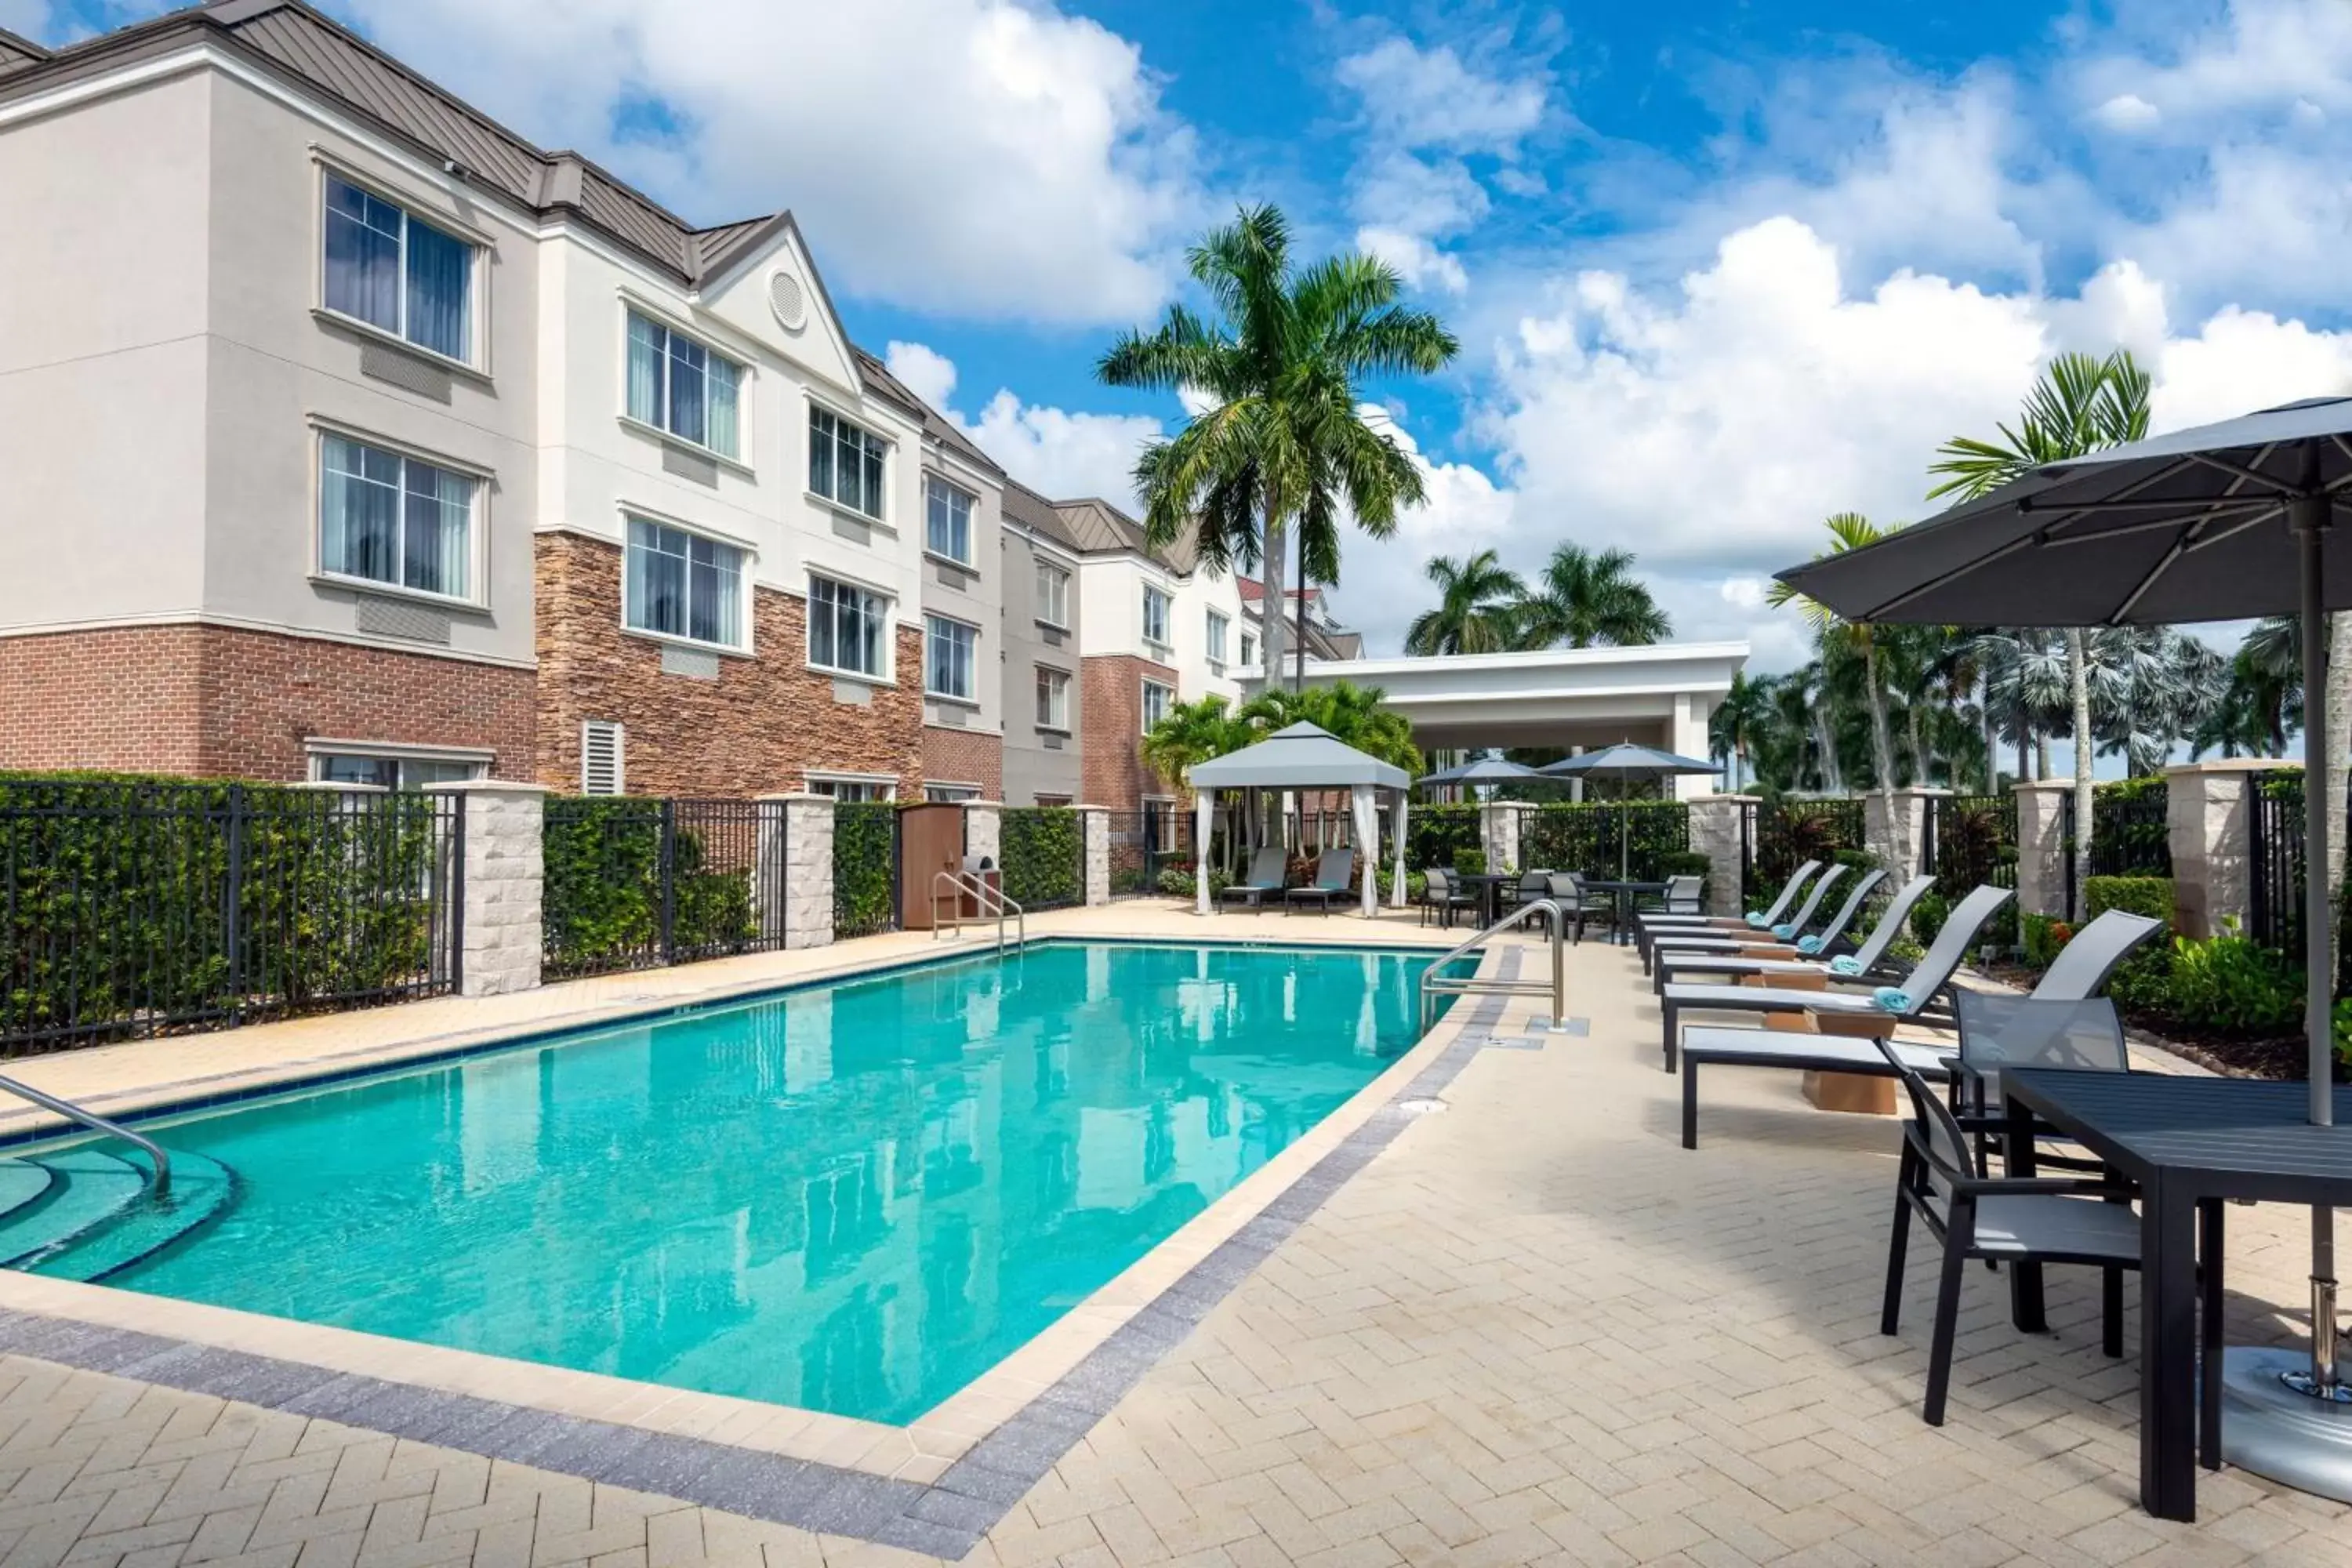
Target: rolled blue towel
(1756,919)
(1847,964)
(1785,932)
(1809,944)
(1892,999)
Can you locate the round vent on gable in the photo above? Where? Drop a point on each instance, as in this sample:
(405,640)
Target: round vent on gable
(788,299)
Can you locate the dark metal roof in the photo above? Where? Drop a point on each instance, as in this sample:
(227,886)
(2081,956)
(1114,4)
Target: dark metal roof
(1035,513)
(879,380)
(17,54)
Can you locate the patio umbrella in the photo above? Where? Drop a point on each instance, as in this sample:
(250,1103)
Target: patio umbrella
(2213,523)
(1625,762)
(1487,769)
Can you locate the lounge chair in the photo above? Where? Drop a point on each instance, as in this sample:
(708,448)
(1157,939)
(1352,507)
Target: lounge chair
(1268,872)
(1813,955)
(2104,943)
(1790,890)
(1909,1000)
(1442,896)
(1787,931)
(1333,869)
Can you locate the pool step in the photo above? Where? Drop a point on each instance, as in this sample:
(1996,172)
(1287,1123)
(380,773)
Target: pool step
(95,1213)
(22,1182)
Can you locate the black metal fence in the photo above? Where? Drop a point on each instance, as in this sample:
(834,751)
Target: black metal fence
(1437,835)
(1598,838)
(1043,851)
(140,908)
(635,883)
(1145,842)
(1776,837)
(1970,840)
(864,867)
(2131,830)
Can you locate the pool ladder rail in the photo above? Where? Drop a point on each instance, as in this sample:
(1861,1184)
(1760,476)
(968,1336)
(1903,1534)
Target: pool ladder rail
(96,1123)
(1436,983)
(956,886)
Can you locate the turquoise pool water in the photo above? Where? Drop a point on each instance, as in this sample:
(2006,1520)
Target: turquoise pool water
(853,1197)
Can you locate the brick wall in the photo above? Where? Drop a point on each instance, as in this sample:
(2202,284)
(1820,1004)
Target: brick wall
(226,702)
(964,756)
(755,729)
(1112,719)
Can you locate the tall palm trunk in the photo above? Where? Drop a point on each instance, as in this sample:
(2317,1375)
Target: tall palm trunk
(2078,677)
(1270,615)
(1991,739)
(1897,852)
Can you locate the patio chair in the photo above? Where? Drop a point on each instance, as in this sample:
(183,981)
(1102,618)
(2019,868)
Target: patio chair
(1806,954)
(1787,931)
(1908,1000)
(1682,896)
(2006,1219)
(1579,903)
(1333,869)
(2110,939)
(1442,895)
(1268,872)
(1530,886)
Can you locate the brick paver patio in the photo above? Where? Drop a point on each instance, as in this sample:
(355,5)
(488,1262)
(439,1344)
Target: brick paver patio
(1532,1329)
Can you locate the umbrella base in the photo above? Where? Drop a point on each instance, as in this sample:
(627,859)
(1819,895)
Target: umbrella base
(2272,1430)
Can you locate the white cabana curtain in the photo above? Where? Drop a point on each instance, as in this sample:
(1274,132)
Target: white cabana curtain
(1396,880)
(1204,805)
(1367,848)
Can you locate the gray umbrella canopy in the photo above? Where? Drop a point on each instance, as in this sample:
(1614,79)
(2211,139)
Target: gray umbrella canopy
(1487,769)
(1304,756)
(1627,761)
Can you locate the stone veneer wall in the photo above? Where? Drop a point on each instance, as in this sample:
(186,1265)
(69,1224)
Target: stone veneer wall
(755,729)
(964,756)
(225,702)
(1112,713)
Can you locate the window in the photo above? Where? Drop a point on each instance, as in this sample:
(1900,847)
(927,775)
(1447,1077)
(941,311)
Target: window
(949,794)
(1053,699)
(395,520)
(846,462)
(397,272)
(1156,700)
(1053,596)
(682,584)
(1249,648)
(677,384)
(853,791)
(1155,618)
(947,662)
(600,757)
(1217,624)
(949,525)
(390,772)
(846,628)
(1051,799)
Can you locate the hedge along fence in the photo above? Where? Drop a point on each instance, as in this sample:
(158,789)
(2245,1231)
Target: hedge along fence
(1782,835)
(633,881)
(1437,835)
(1585,838)
(2131,829)
(864,867)
(134,905)
(1043,851)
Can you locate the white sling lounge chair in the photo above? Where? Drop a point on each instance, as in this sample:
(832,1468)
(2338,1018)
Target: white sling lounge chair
(1649,925)
(1685,956)
(2080,972)
(1787,931)
(1905,1001)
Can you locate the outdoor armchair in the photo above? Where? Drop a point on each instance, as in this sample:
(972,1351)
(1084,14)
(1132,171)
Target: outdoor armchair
(1682,895)
(1268,868)
(1443,897)
(1333,870)
(1579,903)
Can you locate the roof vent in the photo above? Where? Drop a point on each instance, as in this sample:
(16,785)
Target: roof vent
(788,299)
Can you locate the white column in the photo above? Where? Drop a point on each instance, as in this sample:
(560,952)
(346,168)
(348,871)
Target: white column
(1688,739)
(1204,805)
(1094,829)
(2209,812)
(984,830)
(1396,877)
(1368,853)
(502,881)
(804,843)
(1576,781)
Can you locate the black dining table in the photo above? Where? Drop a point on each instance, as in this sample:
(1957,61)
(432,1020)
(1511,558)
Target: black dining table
(1621,925)
(2189,1143)
(1489,885)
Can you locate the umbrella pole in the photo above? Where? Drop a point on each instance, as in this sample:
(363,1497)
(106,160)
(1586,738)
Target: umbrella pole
(2308,518)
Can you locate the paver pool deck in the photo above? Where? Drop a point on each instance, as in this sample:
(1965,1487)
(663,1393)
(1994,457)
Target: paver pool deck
(1530,1329)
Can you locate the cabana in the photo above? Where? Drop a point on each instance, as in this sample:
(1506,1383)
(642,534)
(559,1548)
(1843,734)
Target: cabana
(1305,757)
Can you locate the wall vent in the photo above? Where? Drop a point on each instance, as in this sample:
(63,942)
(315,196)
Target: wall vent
(692,662)
(788,299)
(384,363)
(382,617)
(601,770)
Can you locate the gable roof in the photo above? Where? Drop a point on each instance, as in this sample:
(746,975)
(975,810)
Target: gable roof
(17,53)
(1099,526)
(1035,513)
(879,380)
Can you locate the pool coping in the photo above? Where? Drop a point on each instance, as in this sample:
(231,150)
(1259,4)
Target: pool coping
(935,1485)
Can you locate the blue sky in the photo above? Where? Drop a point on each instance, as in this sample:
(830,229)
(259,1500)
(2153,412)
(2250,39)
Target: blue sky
(1720,268)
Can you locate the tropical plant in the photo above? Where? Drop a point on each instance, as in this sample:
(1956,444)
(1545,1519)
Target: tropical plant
(2081,404)
(1745,709)
(1284,441)
(1191,732)
(1475,607)
(1589,598)
(1852,530)
(1353,714)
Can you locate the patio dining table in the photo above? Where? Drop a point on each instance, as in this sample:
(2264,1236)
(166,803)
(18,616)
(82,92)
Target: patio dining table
(2191,1143)
(1489,885)
(1623,891)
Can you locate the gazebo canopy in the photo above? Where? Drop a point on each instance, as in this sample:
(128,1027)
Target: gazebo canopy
(1304,756)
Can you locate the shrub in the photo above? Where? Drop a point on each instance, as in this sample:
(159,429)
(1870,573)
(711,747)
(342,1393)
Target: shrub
(1175,882)
(1587,837)
(2228,984)
(2139,982)
(1040,853)
(1470,862)
(2044,938)
(1928,915)
(1441,835)
(865,866)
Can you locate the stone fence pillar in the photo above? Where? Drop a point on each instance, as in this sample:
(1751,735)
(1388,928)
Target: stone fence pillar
(1714,832)
(2209,813)
(984,830)
(2040,847)
(1498,834)
(796,853)
(1094,829)
(500,882)
(1896,827)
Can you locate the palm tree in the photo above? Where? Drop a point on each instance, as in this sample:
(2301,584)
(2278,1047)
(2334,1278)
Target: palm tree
(1193,732)
(1353,714)
(2081,404)
(1852,530)
(1589,598)
(1473,607)
(1282,441)
(1745,709)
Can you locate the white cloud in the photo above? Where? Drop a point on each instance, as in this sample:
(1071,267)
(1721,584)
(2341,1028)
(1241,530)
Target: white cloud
(2127,113)
(1420,264)
(1060,454)
(1432,97)
(981,157)
(1743,593)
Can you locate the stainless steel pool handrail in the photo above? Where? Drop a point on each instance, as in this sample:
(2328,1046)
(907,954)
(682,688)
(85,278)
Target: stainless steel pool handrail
(1435,982)
(96,1123)
(963,882)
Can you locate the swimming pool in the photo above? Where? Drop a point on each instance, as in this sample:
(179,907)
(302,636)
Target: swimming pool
(854,1196)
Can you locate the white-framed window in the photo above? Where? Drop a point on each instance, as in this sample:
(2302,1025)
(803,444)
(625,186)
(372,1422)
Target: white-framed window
(1053,596)
(949,793)
(848,628)
(1217,624)
(1053,699)
(678,386)
(1249,650)
(847,462)
(1157,700)
(387,518)
(682,584)
(1062,800)
(852,790)
(948,519)
(397,272)
(399,769)
(949,647)
(1155,616)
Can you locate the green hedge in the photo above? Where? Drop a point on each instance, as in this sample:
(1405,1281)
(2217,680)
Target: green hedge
(1437,835)
(864,867)
(1043,854)
(601,905)
(117,916)
(2140,980)
(1584,837)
